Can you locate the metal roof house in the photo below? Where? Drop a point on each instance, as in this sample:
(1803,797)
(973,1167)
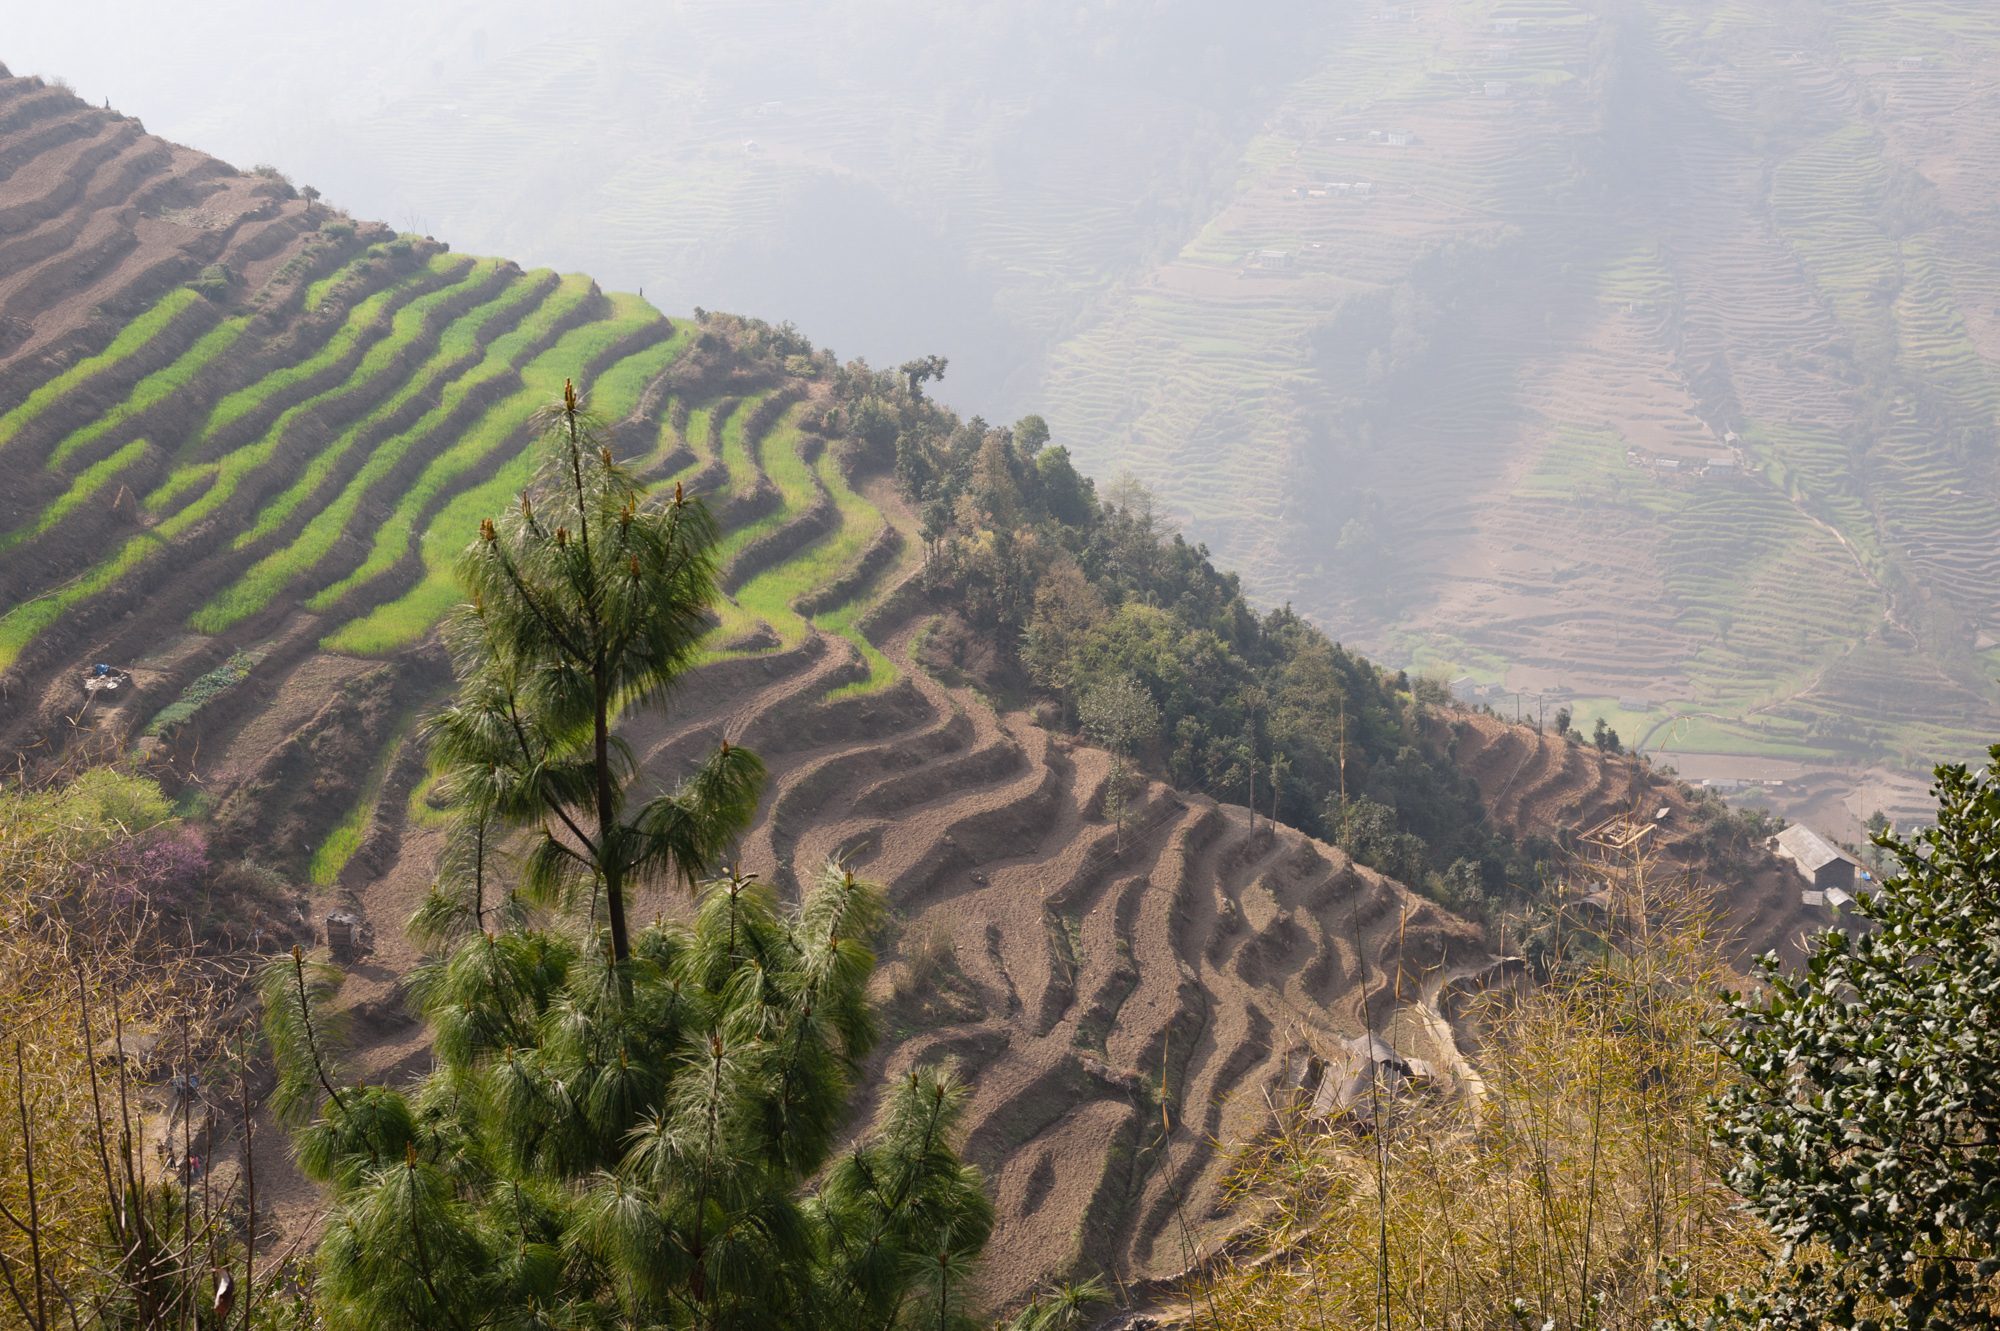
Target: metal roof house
(1360,1069)
(1825,867)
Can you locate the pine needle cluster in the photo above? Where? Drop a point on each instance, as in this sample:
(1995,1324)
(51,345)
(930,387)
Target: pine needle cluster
(584,601)
(629,1144)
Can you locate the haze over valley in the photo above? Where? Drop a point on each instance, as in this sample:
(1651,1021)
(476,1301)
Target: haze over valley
(1638,351)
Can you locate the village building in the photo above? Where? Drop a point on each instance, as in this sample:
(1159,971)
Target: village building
(1360,1069)
(1467,690)
(1828,871)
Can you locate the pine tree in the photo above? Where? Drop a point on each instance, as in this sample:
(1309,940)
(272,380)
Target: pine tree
(620,1125)
(585,601)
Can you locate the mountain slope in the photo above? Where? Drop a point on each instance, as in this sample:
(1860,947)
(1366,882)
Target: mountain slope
(1655,365)
(1637,349)
(255,434)
(245,490)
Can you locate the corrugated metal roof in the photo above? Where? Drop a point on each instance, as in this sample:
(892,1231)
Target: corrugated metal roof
(1808,849)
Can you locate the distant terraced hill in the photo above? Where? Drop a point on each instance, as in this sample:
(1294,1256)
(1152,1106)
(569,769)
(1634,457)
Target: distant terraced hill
(1646,351)
(1634,349)
(248,436)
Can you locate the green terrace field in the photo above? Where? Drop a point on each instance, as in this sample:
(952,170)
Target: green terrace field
(249,494)
(1429,316)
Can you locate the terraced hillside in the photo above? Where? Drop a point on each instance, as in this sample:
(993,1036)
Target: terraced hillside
(253,434)
(1534,783)
(1642,351)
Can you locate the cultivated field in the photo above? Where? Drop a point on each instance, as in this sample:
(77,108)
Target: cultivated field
(1656,362)
(254,436)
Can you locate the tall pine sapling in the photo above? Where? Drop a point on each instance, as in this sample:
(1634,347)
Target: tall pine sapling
(585,600)
(620,1124)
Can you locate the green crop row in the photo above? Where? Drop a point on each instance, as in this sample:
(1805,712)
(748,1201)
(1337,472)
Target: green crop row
(203,691)
(492,428)
(317,293)
(341,843)
(92,479)
(263,580)
(771,595)
(24,622)
(737,457)
(399,622)
(131,338)
(20,625)
(777,458)
(154,389)
(360,321)
(616,393)
(844,620)
(225,471)
(459,342)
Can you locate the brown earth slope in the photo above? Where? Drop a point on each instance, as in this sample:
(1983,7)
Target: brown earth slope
(1533,783)
(1120,1007)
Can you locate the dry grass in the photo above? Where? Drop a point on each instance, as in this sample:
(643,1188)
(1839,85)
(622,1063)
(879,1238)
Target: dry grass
(81,977)
(1578,1190)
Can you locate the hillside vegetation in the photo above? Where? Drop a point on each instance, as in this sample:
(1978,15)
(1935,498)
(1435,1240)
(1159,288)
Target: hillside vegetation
(251,510)
(1644,350)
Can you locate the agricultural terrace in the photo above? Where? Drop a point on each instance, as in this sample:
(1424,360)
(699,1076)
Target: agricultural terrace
(268,470)
(1684,425)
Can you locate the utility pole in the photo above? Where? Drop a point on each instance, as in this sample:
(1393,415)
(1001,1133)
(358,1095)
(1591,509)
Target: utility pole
(1251,766)
(1343,757)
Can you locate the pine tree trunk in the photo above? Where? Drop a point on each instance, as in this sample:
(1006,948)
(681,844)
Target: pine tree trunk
(607,856)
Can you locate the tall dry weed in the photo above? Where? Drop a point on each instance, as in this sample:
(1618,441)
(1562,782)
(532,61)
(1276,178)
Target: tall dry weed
(97,1003)
(1579,1190)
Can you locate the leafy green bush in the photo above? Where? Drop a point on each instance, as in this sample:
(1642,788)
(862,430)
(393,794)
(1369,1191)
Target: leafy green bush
(203,691)
(1866,1122)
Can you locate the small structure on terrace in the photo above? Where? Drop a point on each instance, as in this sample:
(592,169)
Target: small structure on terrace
(1359,1069)
(1829,872)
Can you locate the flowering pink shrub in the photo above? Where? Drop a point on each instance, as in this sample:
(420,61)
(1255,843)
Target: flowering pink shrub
(161,868)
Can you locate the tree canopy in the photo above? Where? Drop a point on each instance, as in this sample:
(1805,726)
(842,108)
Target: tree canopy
(1866,1126)
(623,1127)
